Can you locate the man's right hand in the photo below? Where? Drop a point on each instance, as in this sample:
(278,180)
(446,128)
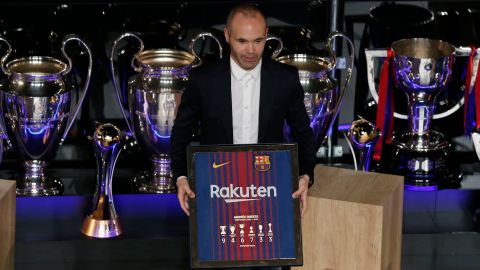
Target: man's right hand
(184,193)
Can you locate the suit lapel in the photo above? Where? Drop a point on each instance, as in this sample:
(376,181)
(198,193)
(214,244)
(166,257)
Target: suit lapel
(266,92)
(225,95)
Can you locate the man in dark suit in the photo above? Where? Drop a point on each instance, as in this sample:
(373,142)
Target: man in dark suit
(241,100)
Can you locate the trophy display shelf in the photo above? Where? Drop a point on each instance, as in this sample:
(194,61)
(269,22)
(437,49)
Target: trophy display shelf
(75,166)
(81,181)
(48,229)
(156,230)
(155,233)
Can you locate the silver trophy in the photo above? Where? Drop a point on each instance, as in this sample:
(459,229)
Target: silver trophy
(151,103)
(422,68)
(38,110)
(103,222)
(362,136)
(323,97)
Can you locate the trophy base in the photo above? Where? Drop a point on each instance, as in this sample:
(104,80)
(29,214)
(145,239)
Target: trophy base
(450,179)
(147,182)
(425,161)
(41,186)
(101,228)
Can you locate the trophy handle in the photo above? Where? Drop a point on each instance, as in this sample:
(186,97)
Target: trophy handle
(330,49)
(352,150)
(3,133)
(4,58)
(377,53)
(67,39)
(122,101)
(279,47)
(334,63)
(197,60)
(476,142)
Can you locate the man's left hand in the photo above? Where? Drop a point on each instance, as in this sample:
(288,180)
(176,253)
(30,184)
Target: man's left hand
(302,192)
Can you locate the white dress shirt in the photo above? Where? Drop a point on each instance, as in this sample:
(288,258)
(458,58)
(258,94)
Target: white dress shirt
(245,87)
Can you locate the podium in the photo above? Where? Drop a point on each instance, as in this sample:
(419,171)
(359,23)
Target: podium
(353,221)
(7,224)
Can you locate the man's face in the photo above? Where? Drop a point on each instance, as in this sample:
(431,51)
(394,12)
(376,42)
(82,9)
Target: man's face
(246,37)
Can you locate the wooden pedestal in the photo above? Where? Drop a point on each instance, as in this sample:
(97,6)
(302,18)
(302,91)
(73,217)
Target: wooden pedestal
(353,221)
(7,224)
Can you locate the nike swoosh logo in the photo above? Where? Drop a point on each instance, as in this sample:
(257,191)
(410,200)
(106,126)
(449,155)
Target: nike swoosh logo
(216,166)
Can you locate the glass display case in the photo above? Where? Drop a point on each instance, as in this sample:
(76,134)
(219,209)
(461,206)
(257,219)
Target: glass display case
(440,225)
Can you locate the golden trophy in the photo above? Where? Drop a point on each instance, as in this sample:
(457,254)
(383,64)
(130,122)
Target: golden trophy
(103,222)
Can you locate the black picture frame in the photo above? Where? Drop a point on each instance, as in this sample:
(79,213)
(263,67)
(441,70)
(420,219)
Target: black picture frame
(292,234)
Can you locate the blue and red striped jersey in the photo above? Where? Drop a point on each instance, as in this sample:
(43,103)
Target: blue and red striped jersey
(246,206)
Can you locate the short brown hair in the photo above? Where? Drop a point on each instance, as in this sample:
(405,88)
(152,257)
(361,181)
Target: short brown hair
(247,10)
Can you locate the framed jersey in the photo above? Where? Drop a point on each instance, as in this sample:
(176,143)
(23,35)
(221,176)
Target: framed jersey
(243,213)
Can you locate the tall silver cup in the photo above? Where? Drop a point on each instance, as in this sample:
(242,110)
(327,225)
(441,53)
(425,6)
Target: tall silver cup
(38,110)
(151,101)
(422,68)
(422,71)
(323,96)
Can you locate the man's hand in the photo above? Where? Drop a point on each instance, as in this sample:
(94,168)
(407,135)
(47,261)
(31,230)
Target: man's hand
(184,192)
(302,192)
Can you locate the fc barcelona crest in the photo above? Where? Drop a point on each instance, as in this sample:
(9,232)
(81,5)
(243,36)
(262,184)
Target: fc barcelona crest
(262,163)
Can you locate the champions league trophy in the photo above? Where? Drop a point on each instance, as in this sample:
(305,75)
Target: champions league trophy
(422,69)
(37,113)
(151,103)
(362,136)
(323,97)
(103,221)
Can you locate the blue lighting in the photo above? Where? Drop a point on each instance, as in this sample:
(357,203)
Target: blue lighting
(61,207)
(36,132)
(60,217)
(152,126)
(421,188)
(343,127)
(160,136)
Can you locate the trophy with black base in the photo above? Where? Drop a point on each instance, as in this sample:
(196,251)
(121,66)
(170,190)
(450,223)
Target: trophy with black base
(422,68)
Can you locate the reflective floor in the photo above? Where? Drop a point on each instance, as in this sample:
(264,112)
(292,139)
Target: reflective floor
(442,251)
(48,234)
(440,229)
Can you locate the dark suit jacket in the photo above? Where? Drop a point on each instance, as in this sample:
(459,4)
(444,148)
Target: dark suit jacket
(207,102)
